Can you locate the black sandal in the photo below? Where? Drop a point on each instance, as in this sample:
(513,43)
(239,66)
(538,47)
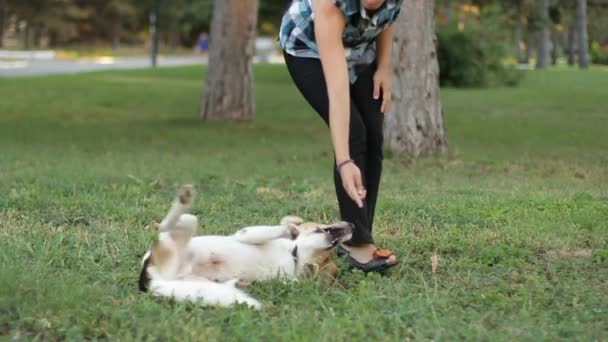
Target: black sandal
(378,263)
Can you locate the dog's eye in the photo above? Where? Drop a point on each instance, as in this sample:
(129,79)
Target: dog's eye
(318,230)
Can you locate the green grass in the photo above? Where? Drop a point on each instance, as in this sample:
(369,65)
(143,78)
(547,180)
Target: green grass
(517,211)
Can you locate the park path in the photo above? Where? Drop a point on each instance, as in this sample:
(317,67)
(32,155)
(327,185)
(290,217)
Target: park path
(32,67)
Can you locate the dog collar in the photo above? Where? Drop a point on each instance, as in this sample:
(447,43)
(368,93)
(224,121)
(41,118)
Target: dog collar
(294,255)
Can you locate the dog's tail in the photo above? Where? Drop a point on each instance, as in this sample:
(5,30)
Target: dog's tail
(204,292)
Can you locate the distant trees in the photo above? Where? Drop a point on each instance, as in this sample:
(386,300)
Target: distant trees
(114,22)
(541,28)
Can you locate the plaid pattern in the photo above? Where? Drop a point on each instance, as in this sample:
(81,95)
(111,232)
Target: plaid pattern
(297,35)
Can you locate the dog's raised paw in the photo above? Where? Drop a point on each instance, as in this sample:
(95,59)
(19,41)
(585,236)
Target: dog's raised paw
(185,195)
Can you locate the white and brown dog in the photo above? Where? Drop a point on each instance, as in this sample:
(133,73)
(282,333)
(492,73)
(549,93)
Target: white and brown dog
(208,269)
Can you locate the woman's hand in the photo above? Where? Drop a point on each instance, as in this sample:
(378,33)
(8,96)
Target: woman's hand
(351,181)
(382,87)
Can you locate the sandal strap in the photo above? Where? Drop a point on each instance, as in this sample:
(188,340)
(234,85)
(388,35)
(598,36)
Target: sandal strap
(383,253)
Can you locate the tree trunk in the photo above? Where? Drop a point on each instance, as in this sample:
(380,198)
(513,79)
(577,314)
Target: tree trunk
(26,36)
(38,30)
(583,40)
(415,124)
(2,23)
(543,35)
(518,38)
(448,13)
(554,45)
(519,34)
(229,88)
(529,46)
(571,45)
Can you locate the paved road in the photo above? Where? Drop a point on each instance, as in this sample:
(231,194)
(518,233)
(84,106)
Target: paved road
(33,67)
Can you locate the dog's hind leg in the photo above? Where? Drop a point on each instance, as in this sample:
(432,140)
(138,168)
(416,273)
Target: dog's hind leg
(204,292)
(256,235)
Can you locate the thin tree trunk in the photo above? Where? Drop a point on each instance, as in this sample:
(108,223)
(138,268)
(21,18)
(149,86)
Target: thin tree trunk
(571,45)
(554,45)
(229,90)
(38,28)
(529,46)
(26,36)
(543,35)
(519,34)
(415,124)
(518,39)
(2,23)
(448,12)
(583,40)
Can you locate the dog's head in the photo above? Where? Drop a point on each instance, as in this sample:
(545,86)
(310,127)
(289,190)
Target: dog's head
(320,239)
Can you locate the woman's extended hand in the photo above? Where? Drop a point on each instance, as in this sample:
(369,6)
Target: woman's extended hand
(382,87)
(351,181)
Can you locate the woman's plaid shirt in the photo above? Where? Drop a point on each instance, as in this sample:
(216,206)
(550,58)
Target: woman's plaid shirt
(297,36)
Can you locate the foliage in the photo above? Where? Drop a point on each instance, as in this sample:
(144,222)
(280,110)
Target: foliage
(82,175)
(599,55)
(465,60)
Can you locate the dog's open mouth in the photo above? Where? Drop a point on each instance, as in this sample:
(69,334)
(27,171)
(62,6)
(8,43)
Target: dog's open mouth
(339,232)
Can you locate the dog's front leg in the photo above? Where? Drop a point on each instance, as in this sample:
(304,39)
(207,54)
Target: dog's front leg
(180,206)
(178,224)
(256,235)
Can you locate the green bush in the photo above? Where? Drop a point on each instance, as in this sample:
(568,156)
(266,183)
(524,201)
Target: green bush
(466,61)
(599,55)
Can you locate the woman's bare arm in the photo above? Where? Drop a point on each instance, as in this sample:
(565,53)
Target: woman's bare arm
(329,26)
(383,76)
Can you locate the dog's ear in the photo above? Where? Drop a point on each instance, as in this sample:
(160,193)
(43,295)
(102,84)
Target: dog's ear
(295,220)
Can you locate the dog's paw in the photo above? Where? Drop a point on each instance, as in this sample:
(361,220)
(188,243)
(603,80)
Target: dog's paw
(185,195)
(243,283)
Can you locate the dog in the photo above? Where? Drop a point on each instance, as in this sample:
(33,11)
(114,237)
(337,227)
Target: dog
(212,269)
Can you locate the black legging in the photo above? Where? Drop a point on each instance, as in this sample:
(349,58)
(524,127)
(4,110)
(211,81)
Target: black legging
(366,121)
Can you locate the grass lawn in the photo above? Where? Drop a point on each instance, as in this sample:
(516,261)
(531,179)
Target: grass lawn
(517,211)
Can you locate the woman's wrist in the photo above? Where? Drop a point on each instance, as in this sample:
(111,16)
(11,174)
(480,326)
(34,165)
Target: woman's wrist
(342,159)
(384,67)
(341,164)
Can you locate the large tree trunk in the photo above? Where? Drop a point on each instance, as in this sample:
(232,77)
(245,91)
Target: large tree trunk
(571,44)
(583,40)
(229,89)
(542,59)
(415,124)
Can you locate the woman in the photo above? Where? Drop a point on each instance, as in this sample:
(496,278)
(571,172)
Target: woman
(350,94)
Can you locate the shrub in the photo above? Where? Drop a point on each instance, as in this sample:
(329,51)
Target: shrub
(599,55)
(465,60)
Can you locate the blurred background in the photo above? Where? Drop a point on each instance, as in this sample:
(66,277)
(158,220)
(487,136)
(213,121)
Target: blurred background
(490,32)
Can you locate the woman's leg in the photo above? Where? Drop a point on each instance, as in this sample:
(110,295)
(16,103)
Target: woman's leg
(307,74)
(373,118)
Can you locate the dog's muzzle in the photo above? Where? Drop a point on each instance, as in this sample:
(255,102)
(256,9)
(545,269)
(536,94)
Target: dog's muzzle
(339,232)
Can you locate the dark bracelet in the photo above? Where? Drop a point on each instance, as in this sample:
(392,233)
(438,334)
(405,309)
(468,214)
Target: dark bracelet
(344,163)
